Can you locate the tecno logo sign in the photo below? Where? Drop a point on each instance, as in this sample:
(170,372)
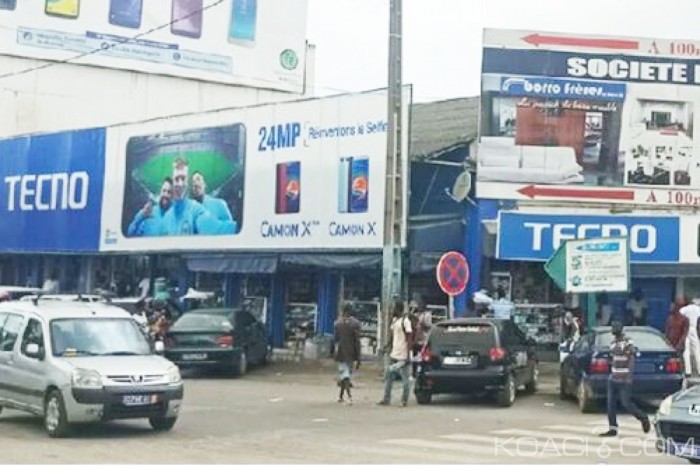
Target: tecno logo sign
(643,238)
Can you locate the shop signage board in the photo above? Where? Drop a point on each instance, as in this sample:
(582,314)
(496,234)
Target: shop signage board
(256,43)
(51,191)
(528,236)
(591,265)
(581,118)
(302,175)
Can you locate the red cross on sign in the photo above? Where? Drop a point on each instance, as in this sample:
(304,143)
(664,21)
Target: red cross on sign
(452,273)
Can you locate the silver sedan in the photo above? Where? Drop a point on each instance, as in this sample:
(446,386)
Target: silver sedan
(677,424)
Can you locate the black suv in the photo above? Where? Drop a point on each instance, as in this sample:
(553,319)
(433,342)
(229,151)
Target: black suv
(473,355)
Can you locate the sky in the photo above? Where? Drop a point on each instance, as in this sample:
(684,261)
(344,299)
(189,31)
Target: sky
(442,38)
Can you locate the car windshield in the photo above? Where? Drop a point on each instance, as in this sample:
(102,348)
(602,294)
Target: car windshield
(97,337)
(202,321)
(644,340)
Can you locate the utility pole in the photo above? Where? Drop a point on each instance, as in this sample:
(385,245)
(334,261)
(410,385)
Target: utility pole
(392,279)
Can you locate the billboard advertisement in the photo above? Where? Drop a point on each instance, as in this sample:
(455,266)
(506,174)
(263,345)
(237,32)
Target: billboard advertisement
(244,42)
(569,117)
(295,175)
(51,191)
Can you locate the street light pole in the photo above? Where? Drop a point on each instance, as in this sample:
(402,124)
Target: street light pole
(392,277)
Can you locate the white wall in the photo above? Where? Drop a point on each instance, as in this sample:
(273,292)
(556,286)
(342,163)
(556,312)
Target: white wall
(65,96)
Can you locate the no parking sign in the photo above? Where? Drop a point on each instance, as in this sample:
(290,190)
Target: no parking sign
(452,273)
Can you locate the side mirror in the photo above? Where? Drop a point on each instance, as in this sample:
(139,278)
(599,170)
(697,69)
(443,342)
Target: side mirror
(33,351)
(159,347)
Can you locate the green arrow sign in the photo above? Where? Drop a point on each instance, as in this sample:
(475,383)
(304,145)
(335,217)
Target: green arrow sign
(556,267)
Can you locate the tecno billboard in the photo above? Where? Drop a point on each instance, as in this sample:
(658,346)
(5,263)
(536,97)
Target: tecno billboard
(297,175)
(300,175)
(245,42)
(589,118)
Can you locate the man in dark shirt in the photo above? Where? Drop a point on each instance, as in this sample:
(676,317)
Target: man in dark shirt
(622,354)
(347,340)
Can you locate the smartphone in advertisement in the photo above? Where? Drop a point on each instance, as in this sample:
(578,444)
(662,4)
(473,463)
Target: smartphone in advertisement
(126,13)
(186,18)
(288,188)
(344,184)
(359,185)
(243,20)
(62,8)
(8,4)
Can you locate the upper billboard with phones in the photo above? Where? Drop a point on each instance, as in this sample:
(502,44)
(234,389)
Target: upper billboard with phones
(246,42)
(294,175)
(569,117)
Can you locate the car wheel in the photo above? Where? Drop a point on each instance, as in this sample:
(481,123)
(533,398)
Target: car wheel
(531,386)
(162,423)
(424,397)
(506,397)
(242,366)
(55,418)
(583,394)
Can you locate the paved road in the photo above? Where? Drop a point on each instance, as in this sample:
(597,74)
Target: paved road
(283,414)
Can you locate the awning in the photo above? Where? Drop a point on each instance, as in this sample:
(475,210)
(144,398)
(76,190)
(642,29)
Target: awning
(334,261)
(232,263)
(664,270)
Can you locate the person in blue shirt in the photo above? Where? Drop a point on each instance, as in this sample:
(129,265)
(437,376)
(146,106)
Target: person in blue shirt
(217,207)
(147,221)
(188,217)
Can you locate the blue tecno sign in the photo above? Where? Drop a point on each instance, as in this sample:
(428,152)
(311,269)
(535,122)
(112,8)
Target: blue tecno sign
(51,191)
(523,236)
(562,88)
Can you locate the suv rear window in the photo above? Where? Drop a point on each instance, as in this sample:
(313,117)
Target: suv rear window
(477,336)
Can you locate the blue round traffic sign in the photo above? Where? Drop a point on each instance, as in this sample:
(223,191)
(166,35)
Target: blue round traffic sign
(452,273)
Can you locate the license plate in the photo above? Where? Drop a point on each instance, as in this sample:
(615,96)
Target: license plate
(139,400)
(194,357)
(458,361)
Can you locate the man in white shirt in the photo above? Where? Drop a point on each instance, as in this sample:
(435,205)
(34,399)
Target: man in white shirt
(692,345)
(400,355)
(637,308)
(51,285)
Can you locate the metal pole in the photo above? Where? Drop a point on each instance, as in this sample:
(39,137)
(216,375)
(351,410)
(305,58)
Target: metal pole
(392,282)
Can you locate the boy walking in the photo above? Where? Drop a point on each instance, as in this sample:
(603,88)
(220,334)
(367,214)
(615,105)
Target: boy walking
(347,340)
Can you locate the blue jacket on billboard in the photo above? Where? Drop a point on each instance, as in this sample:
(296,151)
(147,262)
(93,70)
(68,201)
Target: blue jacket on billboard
(218,208)
(188,217)
(143,225)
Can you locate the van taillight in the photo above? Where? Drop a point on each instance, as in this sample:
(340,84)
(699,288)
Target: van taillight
(426,354)
(225,341)
(497,354)
(599,366)
(673,366)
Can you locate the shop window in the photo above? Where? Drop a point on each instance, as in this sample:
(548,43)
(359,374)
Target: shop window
(301,288)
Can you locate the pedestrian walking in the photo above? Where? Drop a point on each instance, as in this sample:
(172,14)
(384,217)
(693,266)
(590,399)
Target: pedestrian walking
(623,353)
(347,341)
(692,344)
(677,326)
(401,341)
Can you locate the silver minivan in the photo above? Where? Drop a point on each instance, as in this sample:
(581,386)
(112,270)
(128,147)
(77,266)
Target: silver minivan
(75,362)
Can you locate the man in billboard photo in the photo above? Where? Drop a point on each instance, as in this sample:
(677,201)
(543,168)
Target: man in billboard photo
(188,217)
(148,221)
(217,207)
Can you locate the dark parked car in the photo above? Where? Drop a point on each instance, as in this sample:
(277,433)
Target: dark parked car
(228,339)
(474,355)
(658,371)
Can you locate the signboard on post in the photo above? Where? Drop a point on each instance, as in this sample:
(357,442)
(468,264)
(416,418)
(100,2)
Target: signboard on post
(591,266)
(452,274)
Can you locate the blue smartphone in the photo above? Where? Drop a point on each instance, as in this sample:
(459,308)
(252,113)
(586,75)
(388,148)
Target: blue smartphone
(243,20)
(288,197)
(8,4)
(344,184)
(186,19)
(359,185)
(126,13)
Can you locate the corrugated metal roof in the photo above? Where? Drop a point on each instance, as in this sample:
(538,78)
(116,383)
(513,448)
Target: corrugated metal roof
(438,127)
